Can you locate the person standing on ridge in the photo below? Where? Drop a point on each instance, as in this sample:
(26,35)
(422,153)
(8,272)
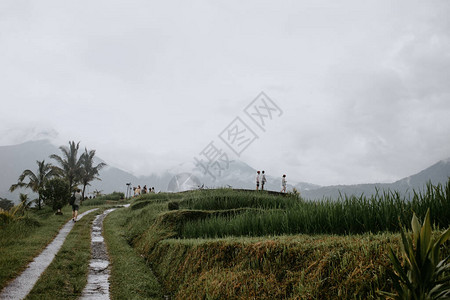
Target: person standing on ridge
(257,180)
(263,181)
(138,190)
(76,205)
(283,184)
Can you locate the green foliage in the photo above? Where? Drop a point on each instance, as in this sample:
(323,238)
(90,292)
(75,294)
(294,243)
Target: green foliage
(56,193)
(131,278)
(69,164)
(289,215)
(6,204)
(263,267)
(15,213)
(114,196)
(36,181)
(24,239)
(89,172)
(94,202)
(422,275)
(173,205)
(140,204)
(231,199)
(66,276)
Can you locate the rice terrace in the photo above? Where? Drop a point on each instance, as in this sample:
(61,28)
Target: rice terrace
(244,150)
(240,244)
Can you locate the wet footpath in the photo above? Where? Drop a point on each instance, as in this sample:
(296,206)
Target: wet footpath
(97,286)
(24,283)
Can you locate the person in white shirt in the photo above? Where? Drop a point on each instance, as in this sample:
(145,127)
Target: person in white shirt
(257,180)
(283,184)
(263,180)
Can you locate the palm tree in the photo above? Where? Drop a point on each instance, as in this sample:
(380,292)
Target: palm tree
(70,164)
(36,181)
(88,171)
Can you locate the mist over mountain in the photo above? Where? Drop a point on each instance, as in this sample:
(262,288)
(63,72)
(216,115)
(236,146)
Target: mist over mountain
(16,158)
(437,173)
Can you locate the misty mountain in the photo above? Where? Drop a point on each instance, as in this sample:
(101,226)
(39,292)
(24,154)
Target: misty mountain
(16,158)
(437,173)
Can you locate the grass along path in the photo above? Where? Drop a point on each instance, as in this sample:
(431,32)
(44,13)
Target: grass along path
(66,276)
(131,277)
(22,285)
(23,240)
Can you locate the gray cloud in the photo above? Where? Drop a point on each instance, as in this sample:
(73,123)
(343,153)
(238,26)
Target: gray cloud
(363,86)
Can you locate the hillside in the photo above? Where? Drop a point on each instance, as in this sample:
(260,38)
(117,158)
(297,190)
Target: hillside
(437,173)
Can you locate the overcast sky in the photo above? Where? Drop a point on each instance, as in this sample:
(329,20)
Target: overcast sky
(362,87)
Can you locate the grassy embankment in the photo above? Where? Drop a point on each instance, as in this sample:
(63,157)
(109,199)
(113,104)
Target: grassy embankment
(131,278)
(264,252)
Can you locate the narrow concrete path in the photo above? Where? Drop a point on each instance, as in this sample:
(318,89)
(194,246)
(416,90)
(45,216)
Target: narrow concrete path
(24,283)
(97,286)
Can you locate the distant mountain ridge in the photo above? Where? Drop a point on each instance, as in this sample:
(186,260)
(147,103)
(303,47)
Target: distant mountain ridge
(437,173)
(16,158)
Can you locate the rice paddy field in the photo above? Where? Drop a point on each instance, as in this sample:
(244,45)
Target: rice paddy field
(230,244)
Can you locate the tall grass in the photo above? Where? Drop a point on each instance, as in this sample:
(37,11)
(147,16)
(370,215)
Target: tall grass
(231,199)
(348,215)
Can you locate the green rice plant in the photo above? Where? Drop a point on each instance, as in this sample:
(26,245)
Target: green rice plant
(231,199)
(422,275)
(283,215)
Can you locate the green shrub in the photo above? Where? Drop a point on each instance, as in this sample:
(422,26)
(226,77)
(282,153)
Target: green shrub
(422,275)
(56,193)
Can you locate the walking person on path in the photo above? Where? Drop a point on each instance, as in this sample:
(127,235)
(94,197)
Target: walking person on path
(263,181)
(283,184)
(257,180)
(76,205)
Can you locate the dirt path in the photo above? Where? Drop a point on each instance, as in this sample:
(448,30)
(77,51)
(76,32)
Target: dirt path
(98,279)
(22,285)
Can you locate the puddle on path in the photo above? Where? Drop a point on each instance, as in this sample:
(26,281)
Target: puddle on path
(98,278)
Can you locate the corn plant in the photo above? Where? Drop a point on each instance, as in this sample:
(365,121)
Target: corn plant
(422,275)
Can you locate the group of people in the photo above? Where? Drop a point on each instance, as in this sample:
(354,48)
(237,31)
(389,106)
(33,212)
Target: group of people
(138,191)
(261,178)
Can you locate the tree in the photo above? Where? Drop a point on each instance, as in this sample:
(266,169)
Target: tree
(56,193)
(70,164)
(88,171)
(35,181)
(6,204)
(24,200)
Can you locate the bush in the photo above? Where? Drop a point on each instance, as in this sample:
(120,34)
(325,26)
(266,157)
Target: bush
(56,193)
(6,204)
